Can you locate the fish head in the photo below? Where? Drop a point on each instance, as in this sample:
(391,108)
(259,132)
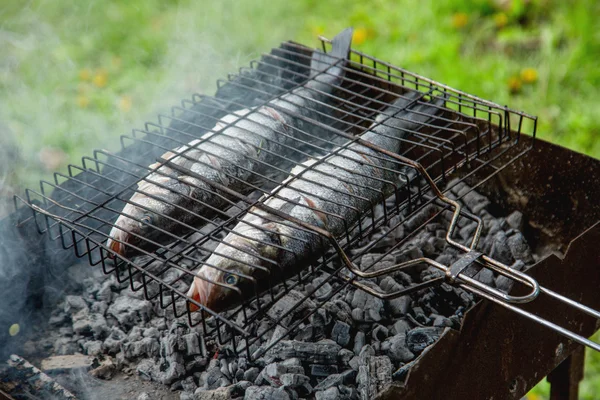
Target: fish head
(147,219)
(223,283)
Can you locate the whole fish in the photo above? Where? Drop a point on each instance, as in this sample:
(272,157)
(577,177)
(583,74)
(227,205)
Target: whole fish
(333,194)
(237,151)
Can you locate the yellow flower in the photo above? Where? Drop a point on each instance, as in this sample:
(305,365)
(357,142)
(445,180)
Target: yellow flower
(460,20)
(125,103)
(529,75)
(83,101)
(514,84)
(500,19)
(85,74)
(359,36)
(14,330)
(100,78)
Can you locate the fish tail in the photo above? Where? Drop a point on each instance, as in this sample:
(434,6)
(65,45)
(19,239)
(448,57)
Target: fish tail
(340,48)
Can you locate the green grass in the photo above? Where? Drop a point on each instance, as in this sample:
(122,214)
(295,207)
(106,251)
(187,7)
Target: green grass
(76,75)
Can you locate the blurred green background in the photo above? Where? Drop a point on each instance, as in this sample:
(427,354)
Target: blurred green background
(76,75)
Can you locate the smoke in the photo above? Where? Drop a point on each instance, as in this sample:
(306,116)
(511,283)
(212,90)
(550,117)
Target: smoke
(45,122)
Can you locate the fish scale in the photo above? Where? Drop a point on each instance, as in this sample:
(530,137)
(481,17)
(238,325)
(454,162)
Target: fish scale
(331,192)
(237,153)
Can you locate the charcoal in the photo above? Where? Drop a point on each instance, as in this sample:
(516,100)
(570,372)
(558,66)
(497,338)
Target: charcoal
(265,393)
(188,384)
(358,315)
(419,338)
(136,333)
(332,393)
(501,250)
(214,378)
(340,310)
(379,333)
(323,292)
(354,363)
(319,322)
(65,346)
(291,301)
(129,311)
(197,363)
(400,326)
(93,347)
(373,376)
(294,380)
(347,393)
(99,307)
(319,370)
(251,374)
(503,283)
(420,316)
(467,231)
(485,276)
(225,369)
(192,344)
(441,321)
(222,393)
(239,375)
(144,396)
(73,304)
(398,350)
(475,201)
(366,352)
(520,249)
(341,333)
(151,332)
(515,220)
(323,352)
(344,356)
(359,342)
(58,318)
(331,380)
(105,293)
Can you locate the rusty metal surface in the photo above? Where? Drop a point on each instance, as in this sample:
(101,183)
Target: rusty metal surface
(564,380)
(497,354)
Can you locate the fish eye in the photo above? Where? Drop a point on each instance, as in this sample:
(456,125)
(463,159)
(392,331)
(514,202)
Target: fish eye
(231,279)
(146,219)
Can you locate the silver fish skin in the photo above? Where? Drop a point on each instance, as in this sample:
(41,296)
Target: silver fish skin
(241,147)
(333,192)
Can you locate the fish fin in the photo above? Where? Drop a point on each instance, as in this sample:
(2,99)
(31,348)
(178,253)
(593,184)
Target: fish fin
(194,294)
(340,47)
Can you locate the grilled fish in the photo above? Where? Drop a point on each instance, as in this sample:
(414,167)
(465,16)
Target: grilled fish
(333,194)
(237,151)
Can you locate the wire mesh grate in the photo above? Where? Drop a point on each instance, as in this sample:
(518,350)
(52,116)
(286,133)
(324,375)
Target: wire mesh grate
(463,135)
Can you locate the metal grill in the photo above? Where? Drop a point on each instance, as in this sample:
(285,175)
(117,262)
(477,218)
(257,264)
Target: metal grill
(468,136)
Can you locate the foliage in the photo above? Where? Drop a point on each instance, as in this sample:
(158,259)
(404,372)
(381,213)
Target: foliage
(76,75)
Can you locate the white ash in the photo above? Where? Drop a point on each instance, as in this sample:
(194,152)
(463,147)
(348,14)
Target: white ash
(353,344)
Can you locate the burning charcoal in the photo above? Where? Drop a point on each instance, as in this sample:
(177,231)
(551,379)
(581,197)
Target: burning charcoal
(324,351)
(420,316)
(485,276)
(305,334)
(400,326)
(93,347)
(358,315)
(359,342)
(399,305)
(135,334)
(398,350)
(345,356)
(151,332)
(99,307)
(520,249)
(145,347)
(291,301)
(419,338)
(265,393)
(332,393)
(503,283)
(441,321)
(501,249)
(129,311)
(340,310)
(515,220)
(379,333)
(374,376)
(323,292)
(341,333)
(319,370)
(159,323)
(74,304)
(192,344)
(251,374)
(473,200)
(64,346)
(293,365)
(294,380)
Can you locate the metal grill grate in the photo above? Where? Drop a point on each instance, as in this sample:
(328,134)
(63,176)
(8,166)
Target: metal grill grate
(465,136)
